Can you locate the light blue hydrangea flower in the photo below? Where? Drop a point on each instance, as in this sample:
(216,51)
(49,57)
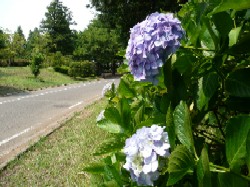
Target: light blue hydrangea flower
(151,41)
(106,88)
(142,152)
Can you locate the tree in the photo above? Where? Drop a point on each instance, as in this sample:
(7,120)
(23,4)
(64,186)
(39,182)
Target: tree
(36,42)
(2,40)
(57,25)
(99,44)
(123,15)
(6,51)
(19,43)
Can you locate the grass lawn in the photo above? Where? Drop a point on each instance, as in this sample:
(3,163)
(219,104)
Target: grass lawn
(19,79)
(57,159)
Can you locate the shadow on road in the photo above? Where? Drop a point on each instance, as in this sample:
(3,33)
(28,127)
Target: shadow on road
(9,91)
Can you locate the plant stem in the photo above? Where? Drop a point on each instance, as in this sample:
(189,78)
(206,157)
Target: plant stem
(221,168)
(197,48)
(224,169)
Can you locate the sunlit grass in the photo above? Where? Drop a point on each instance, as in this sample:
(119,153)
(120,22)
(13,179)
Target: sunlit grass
(58,159)
(19,79)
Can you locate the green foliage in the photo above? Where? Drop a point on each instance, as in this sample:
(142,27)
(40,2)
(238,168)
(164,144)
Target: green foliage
(203,169)
(202,98)
(180,163)
(57,25)
(236,136)
(123,15)
(183,126)
(36,62)
(98,44)
(238,83)
(81,69)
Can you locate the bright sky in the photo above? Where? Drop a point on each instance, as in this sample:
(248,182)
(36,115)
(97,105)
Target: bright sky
(29,13)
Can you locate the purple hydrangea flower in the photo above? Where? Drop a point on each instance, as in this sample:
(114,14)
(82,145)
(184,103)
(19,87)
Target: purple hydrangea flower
(142,152)
(151,41)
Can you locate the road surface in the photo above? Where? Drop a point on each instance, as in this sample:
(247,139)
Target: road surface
(24,118)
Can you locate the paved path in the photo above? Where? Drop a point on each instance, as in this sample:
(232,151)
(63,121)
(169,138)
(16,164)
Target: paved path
(26,117)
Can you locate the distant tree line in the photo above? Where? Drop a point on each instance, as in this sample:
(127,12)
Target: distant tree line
(66,50)
(62,48)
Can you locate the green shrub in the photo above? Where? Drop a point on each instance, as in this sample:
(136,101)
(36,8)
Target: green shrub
(63,69)
(81,69)
(36,62)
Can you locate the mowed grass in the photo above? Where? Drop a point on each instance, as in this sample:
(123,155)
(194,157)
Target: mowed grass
(19,79)
(57,159)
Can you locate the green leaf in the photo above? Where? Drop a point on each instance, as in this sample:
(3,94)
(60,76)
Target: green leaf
(236,136)
(139,115)
(225,26)
(184,61)
(112,145)
(124,90)
(109,126)
(231,4)
(125,113)
(231,180)
(207,87)
(95,168)
(233,35)
(170,128)
(248,151)
(238,83)
(180,163)
(113,115)
(203,171)
(112,174)
(242,46)
(182,124)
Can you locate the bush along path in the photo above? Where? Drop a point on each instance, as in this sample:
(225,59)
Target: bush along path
(182,116)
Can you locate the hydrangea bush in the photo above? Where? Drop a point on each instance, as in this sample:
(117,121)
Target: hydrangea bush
(193,127)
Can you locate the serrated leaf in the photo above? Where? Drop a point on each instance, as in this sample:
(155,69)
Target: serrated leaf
(231,180)
(124,90)
(180,163)
(238,83)
(182,123)
(236,136)
(203,171)
(113,115)
(207,87)
(231,4)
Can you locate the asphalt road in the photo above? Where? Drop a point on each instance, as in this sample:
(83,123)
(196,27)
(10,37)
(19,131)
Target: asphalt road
(24,118)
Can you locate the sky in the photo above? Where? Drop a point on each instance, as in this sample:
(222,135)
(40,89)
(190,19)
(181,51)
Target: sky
(29,13)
